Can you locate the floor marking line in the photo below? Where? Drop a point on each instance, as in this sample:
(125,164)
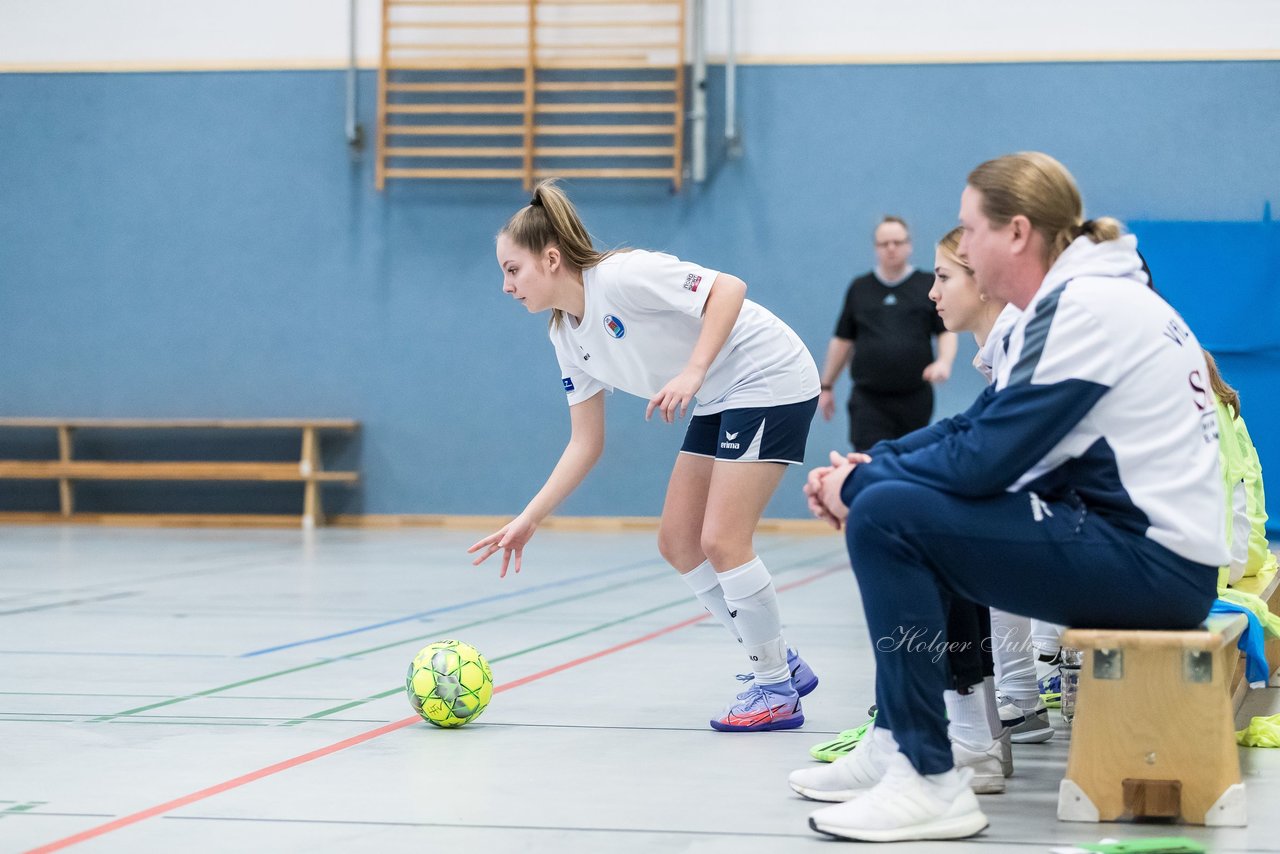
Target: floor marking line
(516,827)
(553,642)
(379,648)
(185,800)
(69,602)
(459,606)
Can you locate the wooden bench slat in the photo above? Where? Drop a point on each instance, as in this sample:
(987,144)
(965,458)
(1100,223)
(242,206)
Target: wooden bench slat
(1220,630)
(186,423)
(177,470)
(154,520)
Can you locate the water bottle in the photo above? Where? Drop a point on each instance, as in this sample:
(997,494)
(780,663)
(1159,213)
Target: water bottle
(1070,668)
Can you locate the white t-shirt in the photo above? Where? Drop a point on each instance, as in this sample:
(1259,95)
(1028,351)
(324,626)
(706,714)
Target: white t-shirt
(642,319)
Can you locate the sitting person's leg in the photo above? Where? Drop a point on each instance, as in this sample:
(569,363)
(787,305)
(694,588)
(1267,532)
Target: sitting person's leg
(911,544)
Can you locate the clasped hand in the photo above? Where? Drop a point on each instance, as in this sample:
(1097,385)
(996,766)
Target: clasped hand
(823,486)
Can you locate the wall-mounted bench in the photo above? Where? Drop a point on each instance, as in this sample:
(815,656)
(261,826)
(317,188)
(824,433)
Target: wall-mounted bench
(67,470)
(1154,729)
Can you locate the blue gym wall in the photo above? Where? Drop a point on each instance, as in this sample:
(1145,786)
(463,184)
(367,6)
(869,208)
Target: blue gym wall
(202,244)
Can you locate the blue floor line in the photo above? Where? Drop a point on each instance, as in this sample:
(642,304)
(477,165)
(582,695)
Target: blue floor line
(458,607)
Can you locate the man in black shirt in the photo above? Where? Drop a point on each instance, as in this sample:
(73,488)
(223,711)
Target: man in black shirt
(890,317)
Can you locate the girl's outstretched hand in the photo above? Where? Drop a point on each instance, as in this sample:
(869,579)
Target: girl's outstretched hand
(673,399)
(509,539)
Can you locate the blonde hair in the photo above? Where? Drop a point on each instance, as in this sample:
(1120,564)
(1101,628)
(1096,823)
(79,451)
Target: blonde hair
(1034,185)
(550,218)
(1225,393)
(950,246)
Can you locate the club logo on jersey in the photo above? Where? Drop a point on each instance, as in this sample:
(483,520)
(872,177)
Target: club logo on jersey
(891,299)
(568,384)
(613,325)
(691,282)
(1176,332)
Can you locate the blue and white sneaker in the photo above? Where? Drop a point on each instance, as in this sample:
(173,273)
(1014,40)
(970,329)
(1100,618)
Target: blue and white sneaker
(802,676)
(762,707)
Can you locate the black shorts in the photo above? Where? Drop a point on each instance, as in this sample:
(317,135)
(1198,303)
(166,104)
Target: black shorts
(772,434)
(874,417)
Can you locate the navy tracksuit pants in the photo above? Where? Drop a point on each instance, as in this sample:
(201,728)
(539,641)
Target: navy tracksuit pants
(917,550)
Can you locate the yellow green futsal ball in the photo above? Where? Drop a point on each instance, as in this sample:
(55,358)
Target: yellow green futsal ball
(449,683)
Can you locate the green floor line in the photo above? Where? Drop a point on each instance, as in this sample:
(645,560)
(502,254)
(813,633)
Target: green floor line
(192,722)
(399,689)
(156,696)
(602,626)
(19,808)
(351,705)
(435,633)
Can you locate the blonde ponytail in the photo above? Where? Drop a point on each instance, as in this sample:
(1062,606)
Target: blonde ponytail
(550,218)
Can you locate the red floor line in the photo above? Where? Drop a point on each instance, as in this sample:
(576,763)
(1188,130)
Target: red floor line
(236,782)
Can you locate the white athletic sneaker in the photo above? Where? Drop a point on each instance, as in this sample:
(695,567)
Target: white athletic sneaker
(905,805)
(857,771)
(1006,753)
(1025,727)
(986,765)
(845,778)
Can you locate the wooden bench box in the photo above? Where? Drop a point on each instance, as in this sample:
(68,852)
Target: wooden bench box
(67,470)
(1154,729)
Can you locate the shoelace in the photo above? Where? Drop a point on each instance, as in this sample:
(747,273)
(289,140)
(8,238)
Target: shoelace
(753,695)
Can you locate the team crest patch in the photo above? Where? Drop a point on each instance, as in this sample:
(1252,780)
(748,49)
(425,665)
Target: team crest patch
(614,326)
(692,281)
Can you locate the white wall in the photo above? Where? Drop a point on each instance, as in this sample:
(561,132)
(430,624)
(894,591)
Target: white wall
(124,34)
(935,30)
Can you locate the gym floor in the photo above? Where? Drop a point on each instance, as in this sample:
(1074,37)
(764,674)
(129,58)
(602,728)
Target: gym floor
(218,690)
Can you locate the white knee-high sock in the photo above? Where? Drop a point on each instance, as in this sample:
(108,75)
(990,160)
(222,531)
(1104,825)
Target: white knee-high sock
(753,606)
(1014,658)
(1046,637)
(991,706)
(967,721)
(706,586)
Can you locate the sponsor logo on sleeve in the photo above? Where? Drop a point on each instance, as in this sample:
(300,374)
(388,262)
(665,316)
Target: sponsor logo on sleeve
(691,282)
(613,325)
(568,384)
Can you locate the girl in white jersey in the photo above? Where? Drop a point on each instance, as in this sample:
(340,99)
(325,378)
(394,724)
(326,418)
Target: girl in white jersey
(678,335)
(1083,480)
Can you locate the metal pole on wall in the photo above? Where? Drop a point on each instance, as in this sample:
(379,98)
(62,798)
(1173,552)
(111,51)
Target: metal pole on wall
(698,115)
(731,135)
(355,132)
